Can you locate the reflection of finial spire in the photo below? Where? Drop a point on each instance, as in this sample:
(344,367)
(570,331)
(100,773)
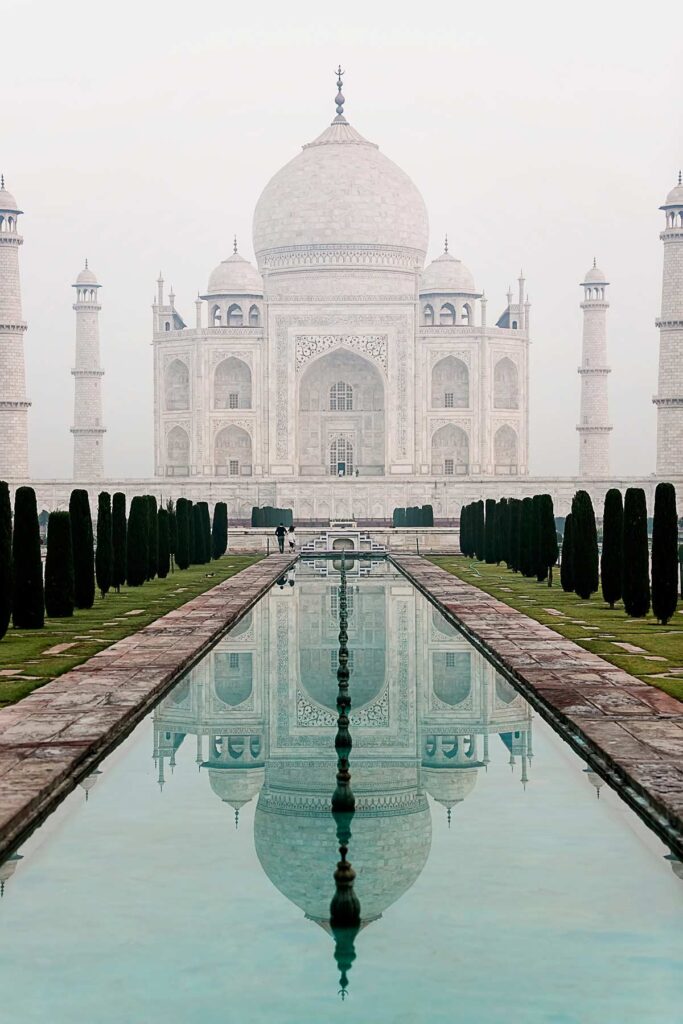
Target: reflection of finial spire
(234,244)
(448,817)
(339,98)
(237,817)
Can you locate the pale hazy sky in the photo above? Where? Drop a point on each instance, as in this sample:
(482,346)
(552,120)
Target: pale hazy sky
(141,134)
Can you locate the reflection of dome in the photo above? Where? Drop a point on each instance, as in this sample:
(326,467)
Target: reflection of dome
(449,786)
(341,191)
(295,837)
(235,276)
(447,274)
(235,785)
(7,869)
(676,865)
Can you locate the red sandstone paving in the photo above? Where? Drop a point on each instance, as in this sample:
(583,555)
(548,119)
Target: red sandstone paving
(636,728)
(58,730)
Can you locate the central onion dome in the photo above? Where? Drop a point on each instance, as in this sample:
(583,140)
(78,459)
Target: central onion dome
(342,202)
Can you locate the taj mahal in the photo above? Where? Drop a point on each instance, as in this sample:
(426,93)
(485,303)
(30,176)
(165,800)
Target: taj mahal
(340,376)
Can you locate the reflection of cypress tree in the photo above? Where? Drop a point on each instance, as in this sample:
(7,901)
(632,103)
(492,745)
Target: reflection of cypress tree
(119,535)
(636,575)
(138,555)
(152,537)
(612,544)
(83,551)
(103,552)
(59,567)
(490,538)
(5,558)
(567,564)
(219,532)
(515,534)
(527,565)
(163,534)
(584,545)
(182,518)
(665,553)
(28,610)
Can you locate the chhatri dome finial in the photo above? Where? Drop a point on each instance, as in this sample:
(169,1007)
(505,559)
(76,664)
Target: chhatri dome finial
(680,182)
(339,98)
(2,180)
(86,262)
(234,245)
(595,262)
(445,243)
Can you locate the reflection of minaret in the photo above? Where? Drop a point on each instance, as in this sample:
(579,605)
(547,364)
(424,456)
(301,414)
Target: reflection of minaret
(594,780)
(7,869)
(89,781)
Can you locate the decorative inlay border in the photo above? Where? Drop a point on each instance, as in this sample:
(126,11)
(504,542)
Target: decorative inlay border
(310,345)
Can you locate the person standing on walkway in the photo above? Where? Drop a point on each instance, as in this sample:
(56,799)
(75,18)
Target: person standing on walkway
(280,533)
(291,537)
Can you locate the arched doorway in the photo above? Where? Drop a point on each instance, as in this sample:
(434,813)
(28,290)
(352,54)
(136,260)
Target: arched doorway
(341,417)
(450,451)
(232,452)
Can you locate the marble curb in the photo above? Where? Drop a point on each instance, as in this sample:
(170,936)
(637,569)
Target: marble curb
(631,733)
(58,733)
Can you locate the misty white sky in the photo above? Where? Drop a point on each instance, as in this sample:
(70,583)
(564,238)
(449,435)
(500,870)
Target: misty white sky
(141,135)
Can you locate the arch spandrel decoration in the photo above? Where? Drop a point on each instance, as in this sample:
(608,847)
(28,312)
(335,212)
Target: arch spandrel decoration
(308,346)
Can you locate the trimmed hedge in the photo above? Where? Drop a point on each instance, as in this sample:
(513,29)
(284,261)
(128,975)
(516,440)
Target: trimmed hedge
(163,534)
(612,546)
(665,553)
(584,546)
(119,540)
(5,558)
(83,548)
(219,530)
(182,518)
(138,534)
(269,516)
(28,606)
(59,567)
(636,571)
(104,549)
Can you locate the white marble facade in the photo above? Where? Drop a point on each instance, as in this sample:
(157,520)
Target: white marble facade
(342,355)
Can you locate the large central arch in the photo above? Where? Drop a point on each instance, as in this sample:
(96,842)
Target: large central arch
(341,404)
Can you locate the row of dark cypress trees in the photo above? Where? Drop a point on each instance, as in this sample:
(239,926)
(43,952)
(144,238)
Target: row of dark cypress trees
(127,550)
(522,533)
(519,532)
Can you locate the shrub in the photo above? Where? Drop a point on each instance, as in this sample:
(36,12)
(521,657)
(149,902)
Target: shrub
(104,550)
(83,548)
(219,530)
(527,562)
(119,535)
(584,546)
(548,549)
(28,609)
(182,517)
(5,558)
(59,567)
(427,515)
(636,576)
(567,563)
(490,538)
(665,553)
(164,536)
(152,537)
(612,545)
(138,532)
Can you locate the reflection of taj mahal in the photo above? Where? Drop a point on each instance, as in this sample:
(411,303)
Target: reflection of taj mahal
(341,355)
(262,707)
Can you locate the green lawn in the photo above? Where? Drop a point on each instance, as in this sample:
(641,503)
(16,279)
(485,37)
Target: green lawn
(24,659)
(589,623)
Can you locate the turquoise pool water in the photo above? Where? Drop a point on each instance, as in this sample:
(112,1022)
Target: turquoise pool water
(499,880)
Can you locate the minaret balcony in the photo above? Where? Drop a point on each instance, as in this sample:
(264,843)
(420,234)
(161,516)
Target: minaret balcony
(87,373)
(670,403)
(586,428)
(669,325)
(596,370)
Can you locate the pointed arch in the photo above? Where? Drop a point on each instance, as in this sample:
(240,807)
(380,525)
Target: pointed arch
(254,316)
(216,318)
(505,450)
(428,315)
(233,452)
(232,384)
(450,384)
(450,451)
(234,316)
(505,385)
(177,385)
(447,315)
(178,452)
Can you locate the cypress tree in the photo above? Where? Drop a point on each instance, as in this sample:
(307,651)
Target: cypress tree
(490,539)
(612,544)
(138,555)
(665,553)
(567,563)
(198,555)
(515,534)
(636,575)
(479,531)
(164,535)
(219,532)
(539,570)
(5,558)
(59,567)
(172,530)
(501,529)
(28,610)
(152,537)
(206,531)
(584,545)
(463,530)
(527,562)
(182,518)
(104,554)
(548,549)
(83,548)
(191,532)
(119,535)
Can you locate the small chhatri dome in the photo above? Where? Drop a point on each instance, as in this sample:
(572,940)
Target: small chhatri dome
(86,277)
(8,203)
(447,274)
(675,196)
(595,275)
(234,276)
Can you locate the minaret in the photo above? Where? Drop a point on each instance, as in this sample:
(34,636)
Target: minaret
(13,405)
(594,428)
(669,397)
(87,430)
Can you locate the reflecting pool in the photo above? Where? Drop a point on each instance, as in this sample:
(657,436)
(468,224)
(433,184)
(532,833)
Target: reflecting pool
(189,879)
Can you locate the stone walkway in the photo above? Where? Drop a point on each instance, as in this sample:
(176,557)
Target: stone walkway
(57,734)
(631,732)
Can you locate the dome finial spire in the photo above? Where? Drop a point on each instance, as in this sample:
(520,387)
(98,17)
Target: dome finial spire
(445,243)
(234,244)
(2,180)
(595,262)
(680,182)
(86,262)
(339,98)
